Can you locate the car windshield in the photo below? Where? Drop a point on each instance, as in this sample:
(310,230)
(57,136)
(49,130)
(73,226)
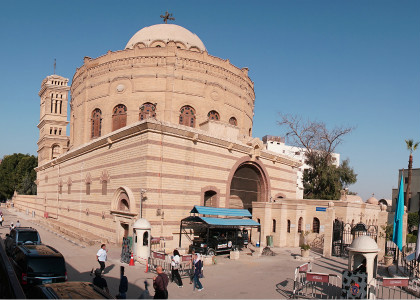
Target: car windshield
(28,236)
(53,265)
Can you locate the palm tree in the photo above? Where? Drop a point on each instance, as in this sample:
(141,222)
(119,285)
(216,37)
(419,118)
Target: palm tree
(411,147)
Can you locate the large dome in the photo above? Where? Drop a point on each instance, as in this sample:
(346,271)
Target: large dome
(165,33)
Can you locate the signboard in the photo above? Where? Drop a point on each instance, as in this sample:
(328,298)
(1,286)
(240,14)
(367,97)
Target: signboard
(292,225)
(317,277)
(158,255)
(322,228)
(321,209)
(410,257)
(186,257)
(304,268)
(396,281)
(308,226)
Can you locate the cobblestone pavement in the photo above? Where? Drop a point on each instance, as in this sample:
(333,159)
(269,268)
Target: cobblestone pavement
(248,277)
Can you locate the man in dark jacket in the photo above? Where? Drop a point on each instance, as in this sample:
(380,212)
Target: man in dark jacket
(99,281)
(123,288)
(160,284)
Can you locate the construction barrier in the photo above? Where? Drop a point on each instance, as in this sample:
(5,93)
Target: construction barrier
(393,288)
(319,286)
(164,260)
(300,277)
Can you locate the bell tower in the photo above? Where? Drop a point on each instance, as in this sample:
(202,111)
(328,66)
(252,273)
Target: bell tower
(53,140)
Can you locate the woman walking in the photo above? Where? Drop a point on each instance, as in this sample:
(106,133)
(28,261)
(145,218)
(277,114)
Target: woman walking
(176,259)
(198,266)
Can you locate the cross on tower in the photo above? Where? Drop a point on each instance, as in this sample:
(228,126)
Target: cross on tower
(167,17)
(361,216)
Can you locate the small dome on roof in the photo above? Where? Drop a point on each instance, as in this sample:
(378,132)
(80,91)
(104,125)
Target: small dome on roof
(166,33)
(372,200)
(364,243)
(142,224)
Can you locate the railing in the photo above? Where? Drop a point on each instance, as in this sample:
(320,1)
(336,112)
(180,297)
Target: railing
(315,285)
(410,264)
(393,288)
(164,260)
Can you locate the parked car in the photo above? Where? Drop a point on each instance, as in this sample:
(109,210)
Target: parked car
(218,240)
(19,236)
(67,290)
(38,264)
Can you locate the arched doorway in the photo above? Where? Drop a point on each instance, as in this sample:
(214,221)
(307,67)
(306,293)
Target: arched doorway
(124,212)
(248,184)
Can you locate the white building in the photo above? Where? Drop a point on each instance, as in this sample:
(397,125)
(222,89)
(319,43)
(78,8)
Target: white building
(277,144)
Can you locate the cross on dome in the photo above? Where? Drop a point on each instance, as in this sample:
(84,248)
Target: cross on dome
(167,17)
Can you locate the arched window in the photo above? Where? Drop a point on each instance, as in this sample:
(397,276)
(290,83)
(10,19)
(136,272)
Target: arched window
(119,117)
(213,115)
(187,116)
(96,123)
(300,224)
(147,110)
(145,238)
(288,226)
(55,151)
(274,225)
(315,225)
(233,121)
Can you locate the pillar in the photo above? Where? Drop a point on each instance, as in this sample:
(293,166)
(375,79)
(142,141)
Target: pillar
(328,230)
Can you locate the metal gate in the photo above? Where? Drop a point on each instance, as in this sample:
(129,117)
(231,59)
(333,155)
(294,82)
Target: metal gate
(345,233)
(126,250)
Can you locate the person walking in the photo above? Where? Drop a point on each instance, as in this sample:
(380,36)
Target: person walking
(198,266)
(101,256)
(12,226)
(17,223)
(123,287)
(175,264)
(160,284)
(99,281)
(1,220)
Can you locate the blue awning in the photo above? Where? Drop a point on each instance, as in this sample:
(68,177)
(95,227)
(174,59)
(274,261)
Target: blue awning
(214,211)
(218,222)
(230,222)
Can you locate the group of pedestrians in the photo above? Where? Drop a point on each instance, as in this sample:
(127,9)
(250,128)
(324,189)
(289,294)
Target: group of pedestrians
(160,282)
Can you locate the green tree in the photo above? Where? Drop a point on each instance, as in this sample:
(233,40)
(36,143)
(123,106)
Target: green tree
(17,173)
(411,146)
(323,180)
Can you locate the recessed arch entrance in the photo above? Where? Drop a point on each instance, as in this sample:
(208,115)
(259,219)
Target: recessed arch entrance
(247,183)
(124,212)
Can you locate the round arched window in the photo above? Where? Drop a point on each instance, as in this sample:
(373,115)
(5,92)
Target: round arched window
(213,115)
(119,117)
(147,110)
(233,121)
(187,116)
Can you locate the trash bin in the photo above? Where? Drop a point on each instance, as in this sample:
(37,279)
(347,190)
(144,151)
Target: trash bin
(257,244)
(269,240)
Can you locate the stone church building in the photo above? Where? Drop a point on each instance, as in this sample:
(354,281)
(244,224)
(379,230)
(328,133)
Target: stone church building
(157,128)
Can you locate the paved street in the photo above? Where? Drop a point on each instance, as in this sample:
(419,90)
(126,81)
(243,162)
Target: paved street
(248,277)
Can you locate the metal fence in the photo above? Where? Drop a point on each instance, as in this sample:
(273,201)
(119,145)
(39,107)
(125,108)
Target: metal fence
(309,284)
(164,260)
(393,288)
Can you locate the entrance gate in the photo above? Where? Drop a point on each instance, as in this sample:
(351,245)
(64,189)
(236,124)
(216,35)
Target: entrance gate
(345,233)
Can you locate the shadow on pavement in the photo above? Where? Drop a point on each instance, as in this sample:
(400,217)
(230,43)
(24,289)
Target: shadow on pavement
(134,292)
(285,288)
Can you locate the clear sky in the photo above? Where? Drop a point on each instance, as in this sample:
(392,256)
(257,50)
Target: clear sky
(351,63)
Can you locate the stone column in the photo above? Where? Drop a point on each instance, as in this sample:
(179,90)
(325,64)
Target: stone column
(328,230)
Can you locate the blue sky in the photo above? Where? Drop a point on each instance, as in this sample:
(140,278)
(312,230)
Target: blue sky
(351,63)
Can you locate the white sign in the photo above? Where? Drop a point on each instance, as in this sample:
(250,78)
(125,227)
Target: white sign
(308,226)
(322,228)
(292,225)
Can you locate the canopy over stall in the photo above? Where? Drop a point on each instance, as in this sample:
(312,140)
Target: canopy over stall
(233,218)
